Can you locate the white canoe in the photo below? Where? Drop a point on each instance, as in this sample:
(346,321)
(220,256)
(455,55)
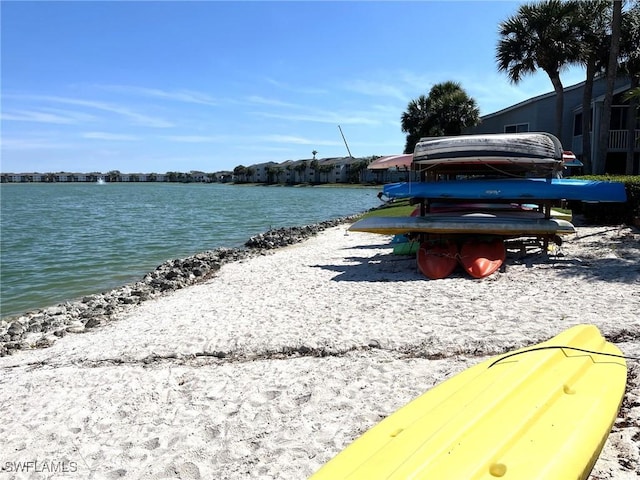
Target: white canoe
(534,150)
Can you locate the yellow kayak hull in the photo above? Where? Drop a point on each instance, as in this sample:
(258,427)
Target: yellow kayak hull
(466,223)
(541,412)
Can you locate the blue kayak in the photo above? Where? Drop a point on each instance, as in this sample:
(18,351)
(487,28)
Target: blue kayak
(514,189)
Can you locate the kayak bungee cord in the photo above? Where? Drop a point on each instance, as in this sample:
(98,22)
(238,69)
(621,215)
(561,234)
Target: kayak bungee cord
(563,347)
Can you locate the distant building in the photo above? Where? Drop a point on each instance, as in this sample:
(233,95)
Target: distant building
(393,168)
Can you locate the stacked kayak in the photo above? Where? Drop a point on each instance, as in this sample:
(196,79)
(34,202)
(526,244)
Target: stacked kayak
(532,154)
(510,190)
(472,203)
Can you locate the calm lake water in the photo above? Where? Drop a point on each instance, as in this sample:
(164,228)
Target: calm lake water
(62,241)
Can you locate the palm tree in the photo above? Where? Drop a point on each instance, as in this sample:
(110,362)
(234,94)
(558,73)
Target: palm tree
(326,169)
(633,93)
(414,122)
(240,172)
(447,110)
(314,153)
(300,168)
(273,174)
(612,70)
(594,22)
(452,109)
(355,170)
(314,167)
(543,36)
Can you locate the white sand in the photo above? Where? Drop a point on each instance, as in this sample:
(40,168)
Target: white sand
(224,380)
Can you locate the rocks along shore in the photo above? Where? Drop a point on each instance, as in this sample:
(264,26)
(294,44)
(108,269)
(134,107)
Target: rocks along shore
(40,328)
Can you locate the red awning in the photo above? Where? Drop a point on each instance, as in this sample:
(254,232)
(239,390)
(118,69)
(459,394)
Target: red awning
(399,161)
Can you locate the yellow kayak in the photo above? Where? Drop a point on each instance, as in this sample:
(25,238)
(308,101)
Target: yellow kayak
(541,412)
(466,223)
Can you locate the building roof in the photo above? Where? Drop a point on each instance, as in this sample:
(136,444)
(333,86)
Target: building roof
(399,161)
(530,100)
(600,77)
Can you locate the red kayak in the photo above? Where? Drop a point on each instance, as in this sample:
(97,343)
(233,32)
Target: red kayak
(480,258)
(438,260)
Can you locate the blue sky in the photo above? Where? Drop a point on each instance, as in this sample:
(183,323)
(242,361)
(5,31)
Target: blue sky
(180,86)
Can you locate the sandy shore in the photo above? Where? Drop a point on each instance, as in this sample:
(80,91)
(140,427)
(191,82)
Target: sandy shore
(274,365)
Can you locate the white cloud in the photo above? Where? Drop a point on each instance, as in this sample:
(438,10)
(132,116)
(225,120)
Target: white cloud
(108,136)
(322,117)
(54,116)
(376,89)
(131,115)
(289,139)
(196,138)
(34,143)
(187,96)
(256,99)
(306,90)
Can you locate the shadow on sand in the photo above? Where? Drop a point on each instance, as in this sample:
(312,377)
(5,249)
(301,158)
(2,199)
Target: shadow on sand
(385,267)
(617,261)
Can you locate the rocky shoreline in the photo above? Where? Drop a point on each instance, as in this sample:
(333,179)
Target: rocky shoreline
(280,360)
(41,327)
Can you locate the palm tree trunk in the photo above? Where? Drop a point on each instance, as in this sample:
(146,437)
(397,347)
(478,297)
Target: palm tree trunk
(557,86)
(631,126)
(603,138)
(587,95)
